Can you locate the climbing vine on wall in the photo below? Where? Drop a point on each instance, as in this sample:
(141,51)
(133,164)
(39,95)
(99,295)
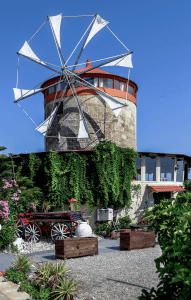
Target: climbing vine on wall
(102,177)
(136,189)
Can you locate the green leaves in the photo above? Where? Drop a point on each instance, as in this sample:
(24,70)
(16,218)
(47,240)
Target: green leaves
(102,177)
(22,262)
(173,223)
(65,289)
(14,275)
(34,291)
(46,270)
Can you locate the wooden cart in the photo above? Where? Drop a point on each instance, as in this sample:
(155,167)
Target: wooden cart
(60,224)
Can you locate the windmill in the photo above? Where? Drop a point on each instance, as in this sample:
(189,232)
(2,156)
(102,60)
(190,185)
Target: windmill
(68,78)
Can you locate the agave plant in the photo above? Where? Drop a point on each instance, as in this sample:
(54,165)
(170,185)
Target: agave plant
(48,270)
(22,263)
(65,289)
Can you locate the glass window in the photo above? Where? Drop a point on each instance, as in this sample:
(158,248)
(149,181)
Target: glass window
(166,169)
(96,82)
(189,173)
(91,80)
(76,84)
(130,89)
(61,86)
(116,84)
(150,174)
(122,86)
(138,167)
(51,90)
(106,82)
(180,171)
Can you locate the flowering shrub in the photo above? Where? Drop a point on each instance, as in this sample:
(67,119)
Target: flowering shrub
(9,208)
(33,206)
(10,204)
(142,221)
(3,210)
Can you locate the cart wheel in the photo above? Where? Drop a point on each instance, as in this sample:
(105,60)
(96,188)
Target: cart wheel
(21,228)
(60,231)
(33,232)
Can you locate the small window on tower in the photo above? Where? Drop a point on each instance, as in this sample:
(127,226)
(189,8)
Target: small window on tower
(106,82)
(130,89)
(122,86)
(60,109)
(92,80)
(116,84)
(51,90)
(76,84)
(61,86)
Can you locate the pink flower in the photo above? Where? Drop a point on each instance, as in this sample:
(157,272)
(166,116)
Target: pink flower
(5,187)
(3,203)
(15,194)
(6,215)
(16,198)
(32,203)
(19,191)
(4,180)
(6,208)
(16,184)
(13,198)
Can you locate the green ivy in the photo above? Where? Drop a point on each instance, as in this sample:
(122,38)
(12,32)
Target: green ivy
(103,177)
(136,188)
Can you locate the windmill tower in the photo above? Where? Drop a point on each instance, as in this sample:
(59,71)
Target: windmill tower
(83,107)
(121,130)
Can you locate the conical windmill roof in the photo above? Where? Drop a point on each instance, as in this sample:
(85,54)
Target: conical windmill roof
(94,71)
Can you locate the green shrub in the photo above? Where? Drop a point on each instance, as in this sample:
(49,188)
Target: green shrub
(14,275)
(173,223)
(13,248)
(22,263)
(103,226)
(124,223)
(8,232)
(35,292)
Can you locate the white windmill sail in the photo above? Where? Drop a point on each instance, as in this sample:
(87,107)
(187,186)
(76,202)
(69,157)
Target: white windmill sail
(115,105)
(27,51)
(44,126)
(82,134)
(125,61)
(21,93)
(55,25)
(97,26)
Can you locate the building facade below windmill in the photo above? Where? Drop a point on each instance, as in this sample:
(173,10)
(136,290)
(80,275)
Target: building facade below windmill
(101,121)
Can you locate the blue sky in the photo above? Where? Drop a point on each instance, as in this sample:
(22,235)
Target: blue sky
(158,33)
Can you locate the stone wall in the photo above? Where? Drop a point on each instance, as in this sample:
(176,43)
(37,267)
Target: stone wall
(120,130)
(138,204)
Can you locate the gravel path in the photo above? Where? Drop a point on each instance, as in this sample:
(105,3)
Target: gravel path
(118,275)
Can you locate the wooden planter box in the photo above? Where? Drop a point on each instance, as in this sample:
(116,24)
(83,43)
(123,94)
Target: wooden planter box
(116,233)
(75,247)
(137,240)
